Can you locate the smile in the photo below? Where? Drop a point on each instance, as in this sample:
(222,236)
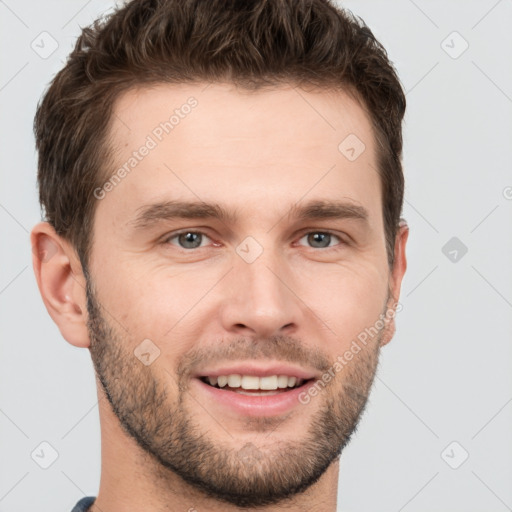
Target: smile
(250,395)
(253,383)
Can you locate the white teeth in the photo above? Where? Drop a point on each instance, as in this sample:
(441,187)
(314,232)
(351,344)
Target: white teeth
(250,382)
(282,381)
(268,383)
(234,381)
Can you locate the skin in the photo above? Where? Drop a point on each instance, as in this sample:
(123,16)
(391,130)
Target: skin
(257,154)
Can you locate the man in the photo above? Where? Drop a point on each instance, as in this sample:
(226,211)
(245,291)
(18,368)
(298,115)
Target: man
(222,186)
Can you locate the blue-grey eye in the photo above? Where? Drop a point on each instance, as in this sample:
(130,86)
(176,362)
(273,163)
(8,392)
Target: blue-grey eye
(320,239)
(189,239)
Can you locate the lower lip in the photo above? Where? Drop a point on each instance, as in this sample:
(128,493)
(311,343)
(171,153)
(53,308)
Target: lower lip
(263,405)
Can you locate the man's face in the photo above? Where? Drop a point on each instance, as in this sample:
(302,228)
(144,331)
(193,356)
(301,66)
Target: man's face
(259,292)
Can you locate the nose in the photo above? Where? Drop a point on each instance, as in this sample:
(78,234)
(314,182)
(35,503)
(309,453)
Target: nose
(260,301)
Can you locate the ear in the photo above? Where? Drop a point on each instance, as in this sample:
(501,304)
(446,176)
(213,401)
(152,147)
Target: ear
(61,283)
(395,281)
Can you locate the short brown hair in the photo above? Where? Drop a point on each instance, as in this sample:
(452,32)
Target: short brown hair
(250,43)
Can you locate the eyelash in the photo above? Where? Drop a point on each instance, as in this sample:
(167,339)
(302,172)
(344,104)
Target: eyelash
(167,239)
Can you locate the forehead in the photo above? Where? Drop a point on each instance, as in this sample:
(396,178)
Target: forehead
(224,110)
(217,143)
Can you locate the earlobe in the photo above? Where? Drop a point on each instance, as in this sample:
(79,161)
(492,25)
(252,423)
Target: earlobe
(395,282)
(61,283)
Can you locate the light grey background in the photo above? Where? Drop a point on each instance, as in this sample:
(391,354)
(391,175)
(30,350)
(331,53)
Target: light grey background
(446,376)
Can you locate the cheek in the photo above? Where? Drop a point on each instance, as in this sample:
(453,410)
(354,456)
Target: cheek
(348,299)
(157,302)
(131,300)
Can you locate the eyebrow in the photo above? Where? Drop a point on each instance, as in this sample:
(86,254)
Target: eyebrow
(313,210)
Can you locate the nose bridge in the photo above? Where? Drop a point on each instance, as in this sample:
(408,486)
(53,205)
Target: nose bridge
(264,281)
(260,298)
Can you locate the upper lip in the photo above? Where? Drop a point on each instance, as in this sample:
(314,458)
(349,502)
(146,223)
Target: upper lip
(258,370)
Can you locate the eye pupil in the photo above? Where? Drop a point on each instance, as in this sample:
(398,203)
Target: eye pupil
(319,238)
(192,238)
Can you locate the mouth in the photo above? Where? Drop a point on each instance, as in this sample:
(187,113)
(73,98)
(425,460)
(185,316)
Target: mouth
(253,385)
(252,388)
